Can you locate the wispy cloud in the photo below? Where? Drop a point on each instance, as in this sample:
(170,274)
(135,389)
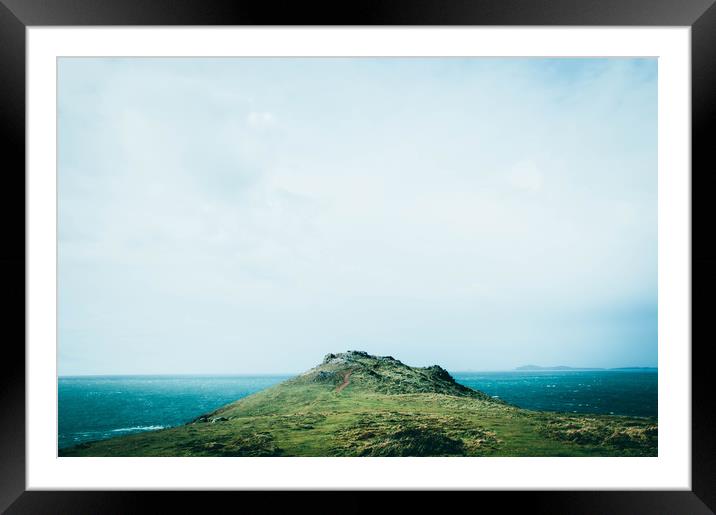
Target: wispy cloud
(525,175)
(261,119)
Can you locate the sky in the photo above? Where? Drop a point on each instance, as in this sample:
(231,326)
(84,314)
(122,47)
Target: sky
(250,215)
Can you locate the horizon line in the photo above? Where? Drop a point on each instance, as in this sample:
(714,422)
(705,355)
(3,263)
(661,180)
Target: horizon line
(228,374)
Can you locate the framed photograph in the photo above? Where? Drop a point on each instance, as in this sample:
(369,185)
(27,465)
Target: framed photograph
(425,247)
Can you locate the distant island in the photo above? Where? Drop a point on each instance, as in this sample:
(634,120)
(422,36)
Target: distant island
(634,368)
(357,404)
(559,367)
(563,367)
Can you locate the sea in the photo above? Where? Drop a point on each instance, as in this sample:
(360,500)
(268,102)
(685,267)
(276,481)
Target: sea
(100,407)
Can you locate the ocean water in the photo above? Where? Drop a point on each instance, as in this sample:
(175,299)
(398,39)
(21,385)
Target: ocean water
(100,407)
(616,392)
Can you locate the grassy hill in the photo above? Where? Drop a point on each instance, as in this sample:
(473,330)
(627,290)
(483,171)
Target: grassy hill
(355,404)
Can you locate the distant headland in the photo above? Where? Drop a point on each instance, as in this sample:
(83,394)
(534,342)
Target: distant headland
(563,367)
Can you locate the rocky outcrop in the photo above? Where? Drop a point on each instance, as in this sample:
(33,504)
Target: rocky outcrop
(385,374)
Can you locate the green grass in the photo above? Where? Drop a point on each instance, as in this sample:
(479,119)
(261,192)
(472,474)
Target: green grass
(387,409)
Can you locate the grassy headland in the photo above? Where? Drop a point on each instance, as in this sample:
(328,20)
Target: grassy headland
(355,404)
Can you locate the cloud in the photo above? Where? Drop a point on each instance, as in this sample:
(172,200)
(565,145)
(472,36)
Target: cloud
(261,120)
(526,176)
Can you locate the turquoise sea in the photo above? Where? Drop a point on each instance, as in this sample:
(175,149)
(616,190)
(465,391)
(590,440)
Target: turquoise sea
(99,407)
(616,392)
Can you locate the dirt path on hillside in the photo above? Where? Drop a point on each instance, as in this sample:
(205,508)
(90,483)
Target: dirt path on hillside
(346,381)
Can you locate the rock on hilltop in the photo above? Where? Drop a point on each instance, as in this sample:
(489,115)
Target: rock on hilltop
(384,374)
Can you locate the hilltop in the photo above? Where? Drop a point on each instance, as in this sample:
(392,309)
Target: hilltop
(385,374)
(357,404)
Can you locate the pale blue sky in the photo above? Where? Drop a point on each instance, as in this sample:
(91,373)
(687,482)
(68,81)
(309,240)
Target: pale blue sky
(252,215)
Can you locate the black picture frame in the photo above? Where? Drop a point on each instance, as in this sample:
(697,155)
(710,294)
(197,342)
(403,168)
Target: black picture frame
(16,15)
